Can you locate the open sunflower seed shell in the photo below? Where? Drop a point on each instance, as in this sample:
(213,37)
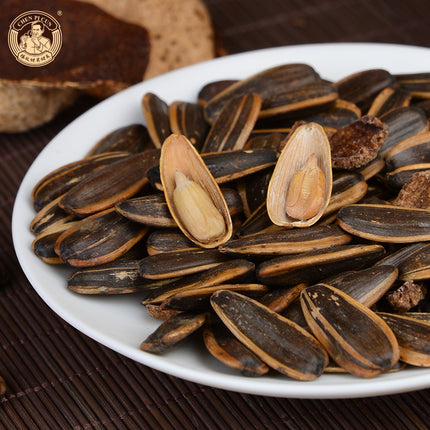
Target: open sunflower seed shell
(356,338)
(193,197)
(280,343)
(300,187)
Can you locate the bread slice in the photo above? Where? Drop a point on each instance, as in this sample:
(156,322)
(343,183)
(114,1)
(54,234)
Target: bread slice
(23,107)
(180,31)
(150,37)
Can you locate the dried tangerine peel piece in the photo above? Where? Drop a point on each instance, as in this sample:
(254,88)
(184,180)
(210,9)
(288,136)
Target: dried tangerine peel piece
(99,53)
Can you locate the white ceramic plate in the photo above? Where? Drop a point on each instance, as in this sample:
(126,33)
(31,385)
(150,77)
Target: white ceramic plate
(121,323)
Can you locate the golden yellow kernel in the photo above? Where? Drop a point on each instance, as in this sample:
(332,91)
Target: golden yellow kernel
(305,195)
(196,210)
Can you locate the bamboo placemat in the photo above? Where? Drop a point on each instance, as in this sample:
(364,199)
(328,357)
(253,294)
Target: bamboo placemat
(58,378)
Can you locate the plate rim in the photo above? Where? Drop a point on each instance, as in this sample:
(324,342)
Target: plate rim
(289,388)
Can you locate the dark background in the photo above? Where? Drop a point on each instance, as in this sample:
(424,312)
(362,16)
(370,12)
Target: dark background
(58,378)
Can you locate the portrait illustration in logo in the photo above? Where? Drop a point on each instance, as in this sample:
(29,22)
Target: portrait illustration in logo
(35,38)
(33,41)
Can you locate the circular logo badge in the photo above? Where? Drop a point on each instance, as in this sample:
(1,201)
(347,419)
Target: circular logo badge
(35,38)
